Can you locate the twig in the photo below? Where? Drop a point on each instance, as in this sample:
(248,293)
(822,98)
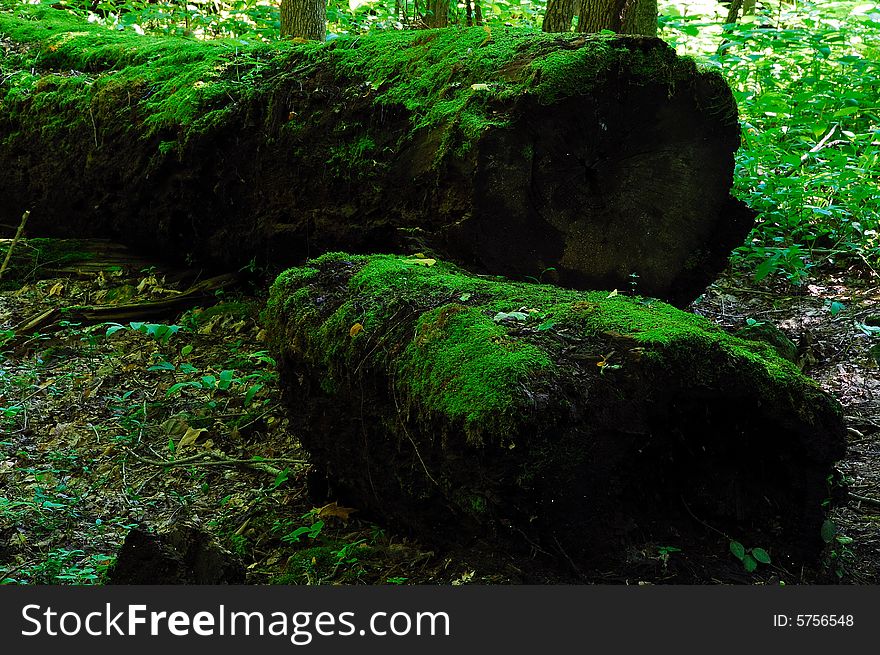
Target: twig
(565,554)
(856,433)
(412,441)
(217,460)
(7,575)
(12,245)
(873,502)
(814,149)
(701,521)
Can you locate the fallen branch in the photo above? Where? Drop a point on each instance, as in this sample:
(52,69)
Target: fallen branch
(14,242)
(865,500)
(91,314)
(213,459)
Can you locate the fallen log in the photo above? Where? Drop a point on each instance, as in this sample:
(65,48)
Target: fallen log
(593,161)
(201,293)
(467,407)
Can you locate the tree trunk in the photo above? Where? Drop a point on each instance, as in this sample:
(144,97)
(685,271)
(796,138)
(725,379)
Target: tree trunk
(733,11)
(621,16)
(559,15)
(436,13)
(592,162)
(582,424)
(304,19)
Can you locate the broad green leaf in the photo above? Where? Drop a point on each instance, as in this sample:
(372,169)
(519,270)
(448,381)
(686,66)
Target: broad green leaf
(761,555)
(828,531)
(737,549)
(766,268)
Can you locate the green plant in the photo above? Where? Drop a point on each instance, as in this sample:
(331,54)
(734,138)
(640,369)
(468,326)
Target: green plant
(239,544)
(161,332)
(63,566)
(838,555)
(398,580)
(805,77)
(751,557)
(663,553)
(312,531)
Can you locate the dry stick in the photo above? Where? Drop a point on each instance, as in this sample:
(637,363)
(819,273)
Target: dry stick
(873,502)
(816,148)
(14,241)
(259,464)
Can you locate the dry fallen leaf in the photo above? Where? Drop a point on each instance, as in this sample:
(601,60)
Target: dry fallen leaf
(612,294)
(422,262)
(188,439)
(332,509)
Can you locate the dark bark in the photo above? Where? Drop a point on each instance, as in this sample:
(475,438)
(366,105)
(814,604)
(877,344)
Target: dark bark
(304,19)
(436,13)
(587,426)
(596,163)
(559,15)
(621,16)
(733,11)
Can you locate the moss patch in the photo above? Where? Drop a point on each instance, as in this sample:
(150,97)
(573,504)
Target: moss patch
(476,350)
(82,74)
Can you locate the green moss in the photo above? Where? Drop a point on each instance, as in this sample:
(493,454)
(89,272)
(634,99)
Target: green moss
(86,75)
(437,333)
(772,335)
(239,310)
(463,364)
(83,76)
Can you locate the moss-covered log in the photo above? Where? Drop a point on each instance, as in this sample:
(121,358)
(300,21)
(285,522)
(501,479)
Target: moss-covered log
(463,406)
(583,160)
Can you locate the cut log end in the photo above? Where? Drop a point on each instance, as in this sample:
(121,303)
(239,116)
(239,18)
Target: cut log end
(626,189)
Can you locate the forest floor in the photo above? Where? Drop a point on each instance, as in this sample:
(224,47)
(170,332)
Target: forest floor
(104,427)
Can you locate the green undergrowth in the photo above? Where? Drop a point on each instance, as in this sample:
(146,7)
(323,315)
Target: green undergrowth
(805,76)
(477,350)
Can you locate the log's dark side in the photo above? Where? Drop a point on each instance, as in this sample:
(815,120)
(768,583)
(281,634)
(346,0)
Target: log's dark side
(589,161)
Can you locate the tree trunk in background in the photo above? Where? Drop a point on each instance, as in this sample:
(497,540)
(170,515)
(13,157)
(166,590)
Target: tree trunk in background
(733,12)
(305,19)
(621,16)
(474,14)
(559,16)
(733,9)
(437,13)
